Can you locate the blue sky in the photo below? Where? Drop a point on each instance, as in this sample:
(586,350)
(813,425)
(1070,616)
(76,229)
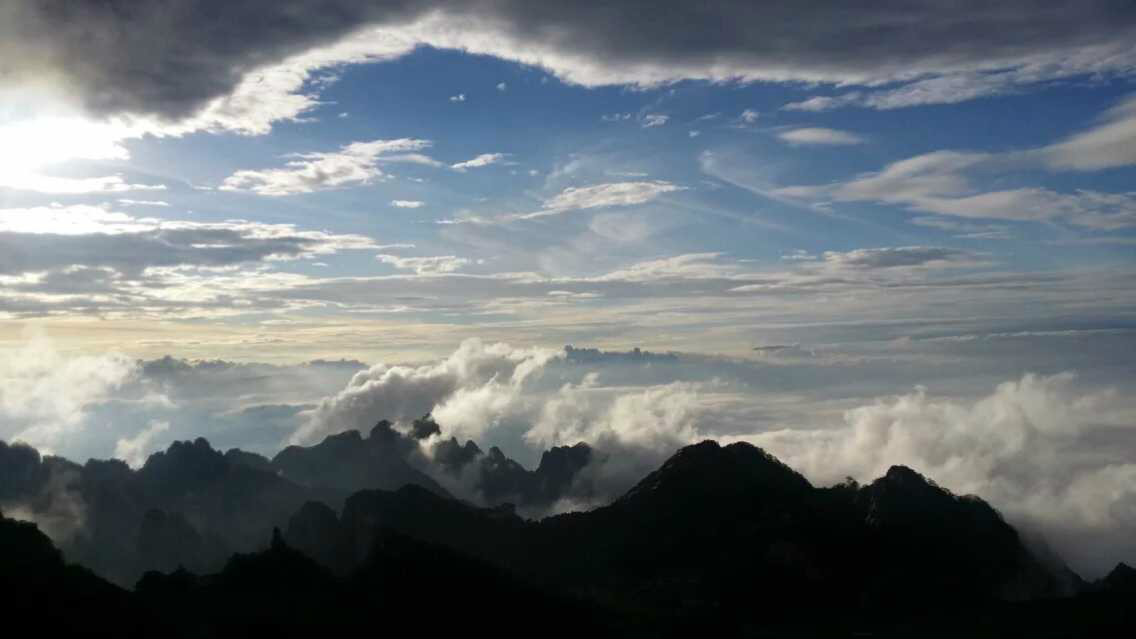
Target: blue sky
(727,177)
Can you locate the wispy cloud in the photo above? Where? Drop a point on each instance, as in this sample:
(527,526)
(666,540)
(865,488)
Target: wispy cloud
(354,164)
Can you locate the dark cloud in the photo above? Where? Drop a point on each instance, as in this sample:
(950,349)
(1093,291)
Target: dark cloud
(169,58)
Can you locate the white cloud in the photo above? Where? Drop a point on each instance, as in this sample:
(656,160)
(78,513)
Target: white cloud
(128,202)
(485,159)
(940,182)
(813,136)
(135,450)
(749,116)
(576,198)
(654,119)
(355,163)
(407,204)
(459,391)
(502,87)
(457,98)
(1110,144)
(611,194)
(961,85)
(425,265)
(1037,448)
(45,395)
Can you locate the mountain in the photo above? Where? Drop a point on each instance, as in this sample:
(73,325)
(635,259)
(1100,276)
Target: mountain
(40,590)
(193,506)
(720,540)
(344,463)
(733,529)
(402,587)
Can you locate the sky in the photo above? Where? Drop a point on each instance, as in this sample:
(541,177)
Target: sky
(902,233)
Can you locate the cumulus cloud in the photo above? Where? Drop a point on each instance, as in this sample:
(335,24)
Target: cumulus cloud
(485,159)
(354,164)
(815,136)
(1039,448)
(456,390)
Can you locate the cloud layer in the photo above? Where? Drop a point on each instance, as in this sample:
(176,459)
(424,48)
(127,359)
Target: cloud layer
(171,59)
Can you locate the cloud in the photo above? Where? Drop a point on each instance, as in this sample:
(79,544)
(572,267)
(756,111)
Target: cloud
(654,119)
(355,163)
(42,239)
(942,182)
(900,257)
(485,159)
(135,450)
(819,136)
(45,396)
(611,194)
(457,98)
(128,202)
(156,60)
(407,204)
(1039,448)
(425,265)
(459,391)
(29,148)
(502,87)
(749,116)
(575,198)
(1108,145)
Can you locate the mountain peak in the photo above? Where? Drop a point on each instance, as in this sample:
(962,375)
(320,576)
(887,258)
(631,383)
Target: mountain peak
(739,469)
(906,476)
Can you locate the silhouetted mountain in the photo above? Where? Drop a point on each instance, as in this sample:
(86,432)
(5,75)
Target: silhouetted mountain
(192,505)
(1121,580)
(723,528)
(402,586)
(347,462)
(499,479)
(717,541)
(38,590)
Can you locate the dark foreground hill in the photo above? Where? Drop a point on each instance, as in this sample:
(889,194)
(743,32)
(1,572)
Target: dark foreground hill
(719,540)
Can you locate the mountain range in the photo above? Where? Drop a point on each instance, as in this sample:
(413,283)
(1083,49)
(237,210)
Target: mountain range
(356,533)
